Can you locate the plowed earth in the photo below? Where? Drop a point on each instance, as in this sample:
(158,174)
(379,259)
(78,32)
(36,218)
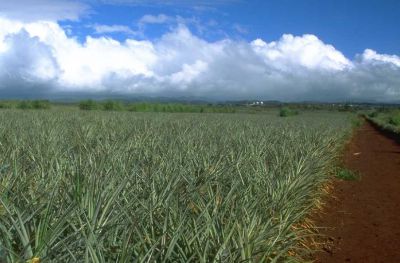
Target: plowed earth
(362,218)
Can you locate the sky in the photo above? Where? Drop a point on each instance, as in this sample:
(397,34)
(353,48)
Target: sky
(288,50)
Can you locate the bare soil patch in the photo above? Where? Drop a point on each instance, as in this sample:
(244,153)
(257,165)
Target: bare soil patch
(362,218)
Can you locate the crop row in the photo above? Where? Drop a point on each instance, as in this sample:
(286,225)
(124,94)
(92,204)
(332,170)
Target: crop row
(146,187)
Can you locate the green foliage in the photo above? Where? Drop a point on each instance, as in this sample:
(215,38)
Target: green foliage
(387,119)
(347,108)
(5,105)
(373,114)
(30,104)
(3,254)
(347,175)
(394,118)
(24,105)
(286,112)
(177,107)
(120,187)
(111,105)
(40,104)
(356,122)
(88,105)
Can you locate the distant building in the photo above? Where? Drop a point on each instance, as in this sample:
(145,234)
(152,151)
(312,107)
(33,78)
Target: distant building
(256,103)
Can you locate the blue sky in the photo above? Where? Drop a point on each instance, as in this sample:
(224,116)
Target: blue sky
(330,50)
(349,25)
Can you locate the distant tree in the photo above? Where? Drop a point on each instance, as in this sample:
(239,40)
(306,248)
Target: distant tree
(24,105)
(40,104)
(5,105)
(286,112)
(111,105)
(88,105)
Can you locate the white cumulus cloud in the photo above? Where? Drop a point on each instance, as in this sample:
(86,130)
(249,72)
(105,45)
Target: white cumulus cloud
(40,59)
(306,51)
(371,56)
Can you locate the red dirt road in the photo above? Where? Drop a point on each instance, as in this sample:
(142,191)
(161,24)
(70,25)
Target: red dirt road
(363,219)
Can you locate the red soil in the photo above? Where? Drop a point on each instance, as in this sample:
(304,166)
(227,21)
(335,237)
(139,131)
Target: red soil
(362,220)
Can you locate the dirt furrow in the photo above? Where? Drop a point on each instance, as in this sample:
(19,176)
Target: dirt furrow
(362,218)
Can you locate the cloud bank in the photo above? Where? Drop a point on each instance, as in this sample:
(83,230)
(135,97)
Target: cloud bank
(40,59)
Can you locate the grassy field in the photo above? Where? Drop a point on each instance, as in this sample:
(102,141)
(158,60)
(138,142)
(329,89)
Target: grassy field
(95,186)
(388,119)
(116,105)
